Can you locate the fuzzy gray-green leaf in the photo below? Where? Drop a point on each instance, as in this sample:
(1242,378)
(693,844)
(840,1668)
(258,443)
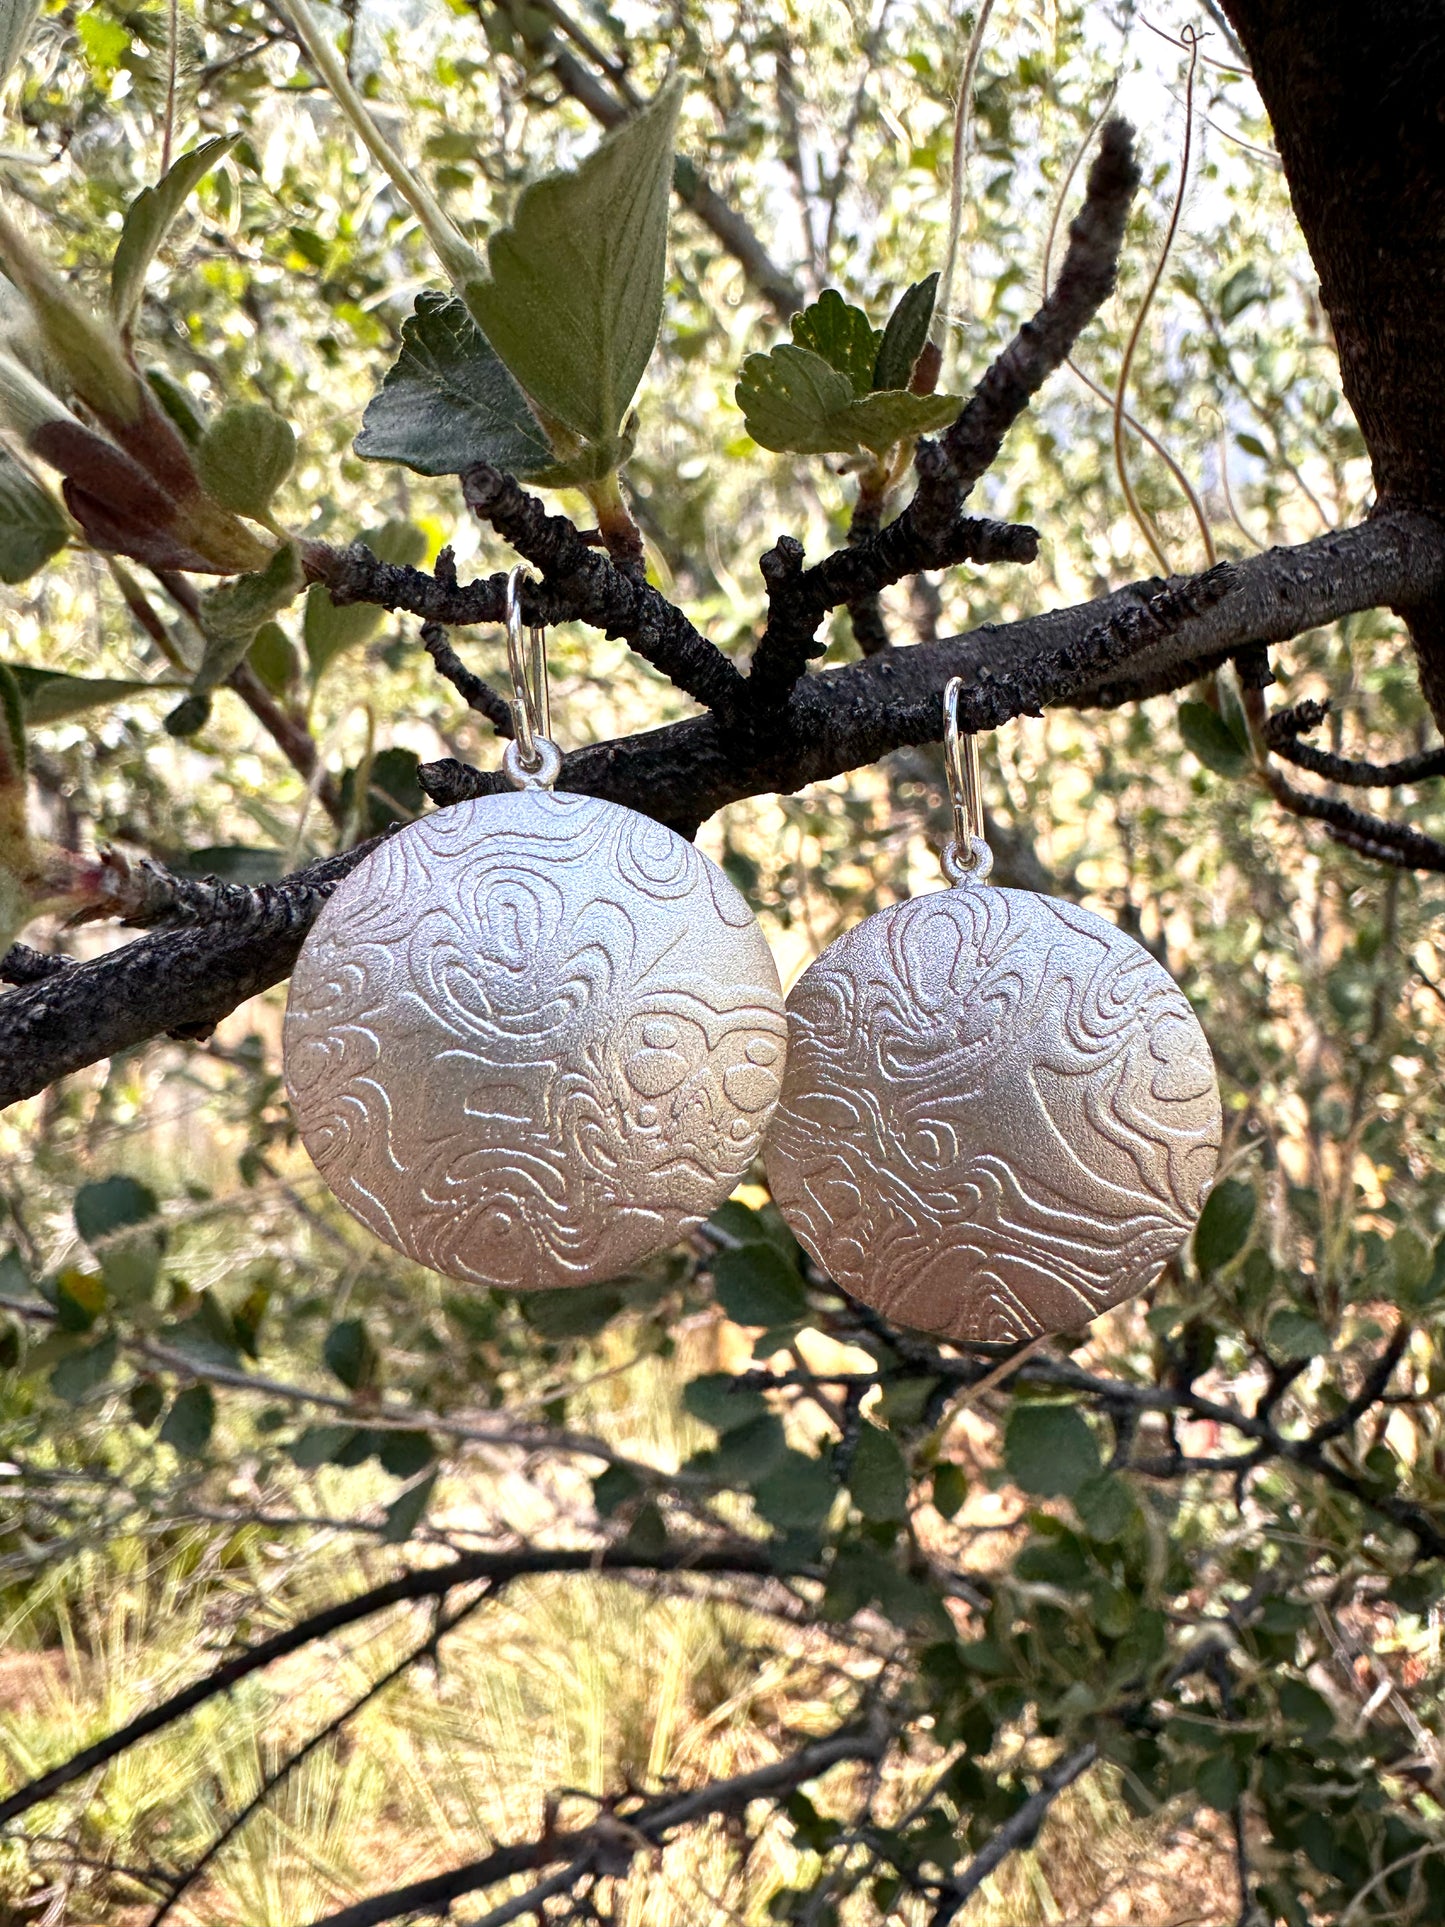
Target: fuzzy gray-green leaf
(574,301)
(33,525)
(843,335)
(148,220)
(448,401)
(905,334)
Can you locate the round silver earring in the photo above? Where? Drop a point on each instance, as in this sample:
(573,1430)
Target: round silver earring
(533,1038)
(999,1115)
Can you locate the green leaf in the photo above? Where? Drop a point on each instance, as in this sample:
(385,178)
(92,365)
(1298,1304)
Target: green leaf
(879,421)
(350,1353)
(179,403)
(613,1488)
(878,1476)
(13,757)
(950,1488)
(749,1452)
(789,398)
(406,1512)
(189,1422)
(50,696)
(571,1311)
(1217,1782)
(321,1445)
(79,1374)
(793,402)
(449,402)
(797,1495)
(1294,1334)
(404,1454)
(111,1205)
(1224,1223)
(1106,1507)
(148,220)
(275,658)
(33,526)
(906,333)
(80,1297)
(147,1402)
(756,1285)
(244,457)
(574,301)
(232,613)
(722,1401)
(331,628)
(1244,287)
(1302,1706)
(1206,733)
(843,335)
(1049,1450)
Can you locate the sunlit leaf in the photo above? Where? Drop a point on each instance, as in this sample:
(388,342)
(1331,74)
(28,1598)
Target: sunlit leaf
(574,300)
(149,218)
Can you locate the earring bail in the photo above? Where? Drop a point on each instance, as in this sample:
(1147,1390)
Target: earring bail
(966,856)
(531,703)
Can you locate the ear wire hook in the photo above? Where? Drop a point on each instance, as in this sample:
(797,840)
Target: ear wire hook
(967,857)
(531,692)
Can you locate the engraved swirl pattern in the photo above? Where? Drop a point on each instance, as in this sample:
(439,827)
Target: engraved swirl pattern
(534,1038)
(999,1115)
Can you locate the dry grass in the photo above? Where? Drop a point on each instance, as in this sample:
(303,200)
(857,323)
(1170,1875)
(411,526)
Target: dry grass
(590,1685)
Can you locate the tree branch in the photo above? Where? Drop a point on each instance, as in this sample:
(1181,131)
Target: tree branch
(1017,1831)
(474,692)
(595,591)
(1099,652)
(1285,726)
(930,533)
(1372,836)
(613,1841)
(431,1582)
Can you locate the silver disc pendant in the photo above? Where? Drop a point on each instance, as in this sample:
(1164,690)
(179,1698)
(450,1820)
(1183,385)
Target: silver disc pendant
(533,1039)
(999,1115)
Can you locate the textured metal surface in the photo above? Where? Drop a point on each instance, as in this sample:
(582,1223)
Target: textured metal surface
(533,1038)
(999,1114)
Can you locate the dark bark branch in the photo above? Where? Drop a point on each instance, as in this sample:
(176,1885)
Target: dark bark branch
(612,1842)
(182,1883)
(1372,836)
(1043,344)
(1286,726)
(1016,1832)
(474,692)
(184,980)
(596,591)
(22,965)
(1354,96)
(931,533)
(1100,652)
(432,1582)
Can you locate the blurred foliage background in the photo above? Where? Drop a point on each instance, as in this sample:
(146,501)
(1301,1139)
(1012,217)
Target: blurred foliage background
(221,1404)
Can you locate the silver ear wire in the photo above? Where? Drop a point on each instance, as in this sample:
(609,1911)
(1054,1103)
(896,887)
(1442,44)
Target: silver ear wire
(531,693)
(966,857)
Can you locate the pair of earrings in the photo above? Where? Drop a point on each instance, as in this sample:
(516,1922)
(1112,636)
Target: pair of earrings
(535,1038)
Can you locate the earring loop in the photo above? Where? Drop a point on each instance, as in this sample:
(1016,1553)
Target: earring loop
(967,857)
(531,692)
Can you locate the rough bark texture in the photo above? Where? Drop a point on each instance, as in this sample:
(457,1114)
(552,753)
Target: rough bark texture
(1357,98)
(1149,637)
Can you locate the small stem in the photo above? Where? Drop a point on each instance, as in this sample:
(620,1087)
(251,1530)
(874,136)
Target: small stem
(620,534)
(461,262)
